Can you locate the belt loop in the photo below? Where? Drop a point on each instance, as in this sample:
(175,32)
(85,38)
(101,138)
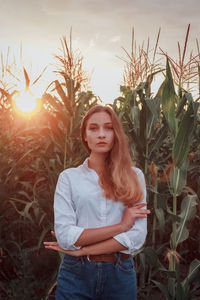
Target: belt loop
(82,260)
(117,254)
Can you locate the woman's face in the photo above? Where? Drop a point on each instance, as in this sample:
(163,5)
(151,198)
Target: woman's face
(99,132)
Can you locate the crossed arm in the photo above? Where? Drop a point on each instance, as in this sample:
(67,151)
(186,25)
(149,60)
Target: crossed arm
(95,241)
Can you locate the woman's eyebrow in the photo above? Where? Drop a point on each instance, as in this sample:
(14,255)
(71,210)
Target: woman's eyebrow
(106,123)
(93,124)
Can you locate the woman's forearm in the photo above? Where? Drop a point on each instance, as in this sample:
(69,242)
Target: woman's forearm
(108,246)
(94,235)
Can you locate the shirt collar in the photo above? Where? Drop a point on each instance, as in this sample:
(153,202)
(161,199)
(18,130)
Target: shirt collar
(85,164)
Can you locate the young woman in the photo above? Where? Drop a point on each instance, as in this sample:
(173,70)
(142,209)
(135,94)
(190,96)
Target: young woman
(100,219)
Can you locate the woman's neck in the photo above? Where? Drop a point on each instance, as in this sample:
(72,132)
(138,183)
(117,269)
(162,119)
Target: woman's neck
(97,162)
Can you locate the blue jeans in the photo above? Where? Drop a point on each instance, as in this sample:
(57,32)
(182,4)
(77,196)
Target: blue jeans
(80,279)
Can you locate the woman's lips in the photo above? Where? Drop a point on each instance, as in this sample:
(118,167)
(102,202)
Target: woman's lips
(101,143)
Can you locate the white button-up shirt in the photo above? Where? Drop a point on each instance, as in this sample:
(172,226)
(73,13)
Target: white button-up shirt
(79,204)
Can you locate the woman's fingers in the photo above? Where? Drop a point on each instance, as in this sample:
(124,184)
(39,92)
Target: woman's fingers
(50,243)
(138,208)
(140,211)
(52,246)
(140,216)
(143,211)
(140,205)
(53,234)
(56,247)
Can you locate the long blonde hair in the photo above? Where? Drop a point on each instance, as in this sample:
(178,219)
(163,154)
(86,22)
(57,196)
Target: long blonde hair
(119,181)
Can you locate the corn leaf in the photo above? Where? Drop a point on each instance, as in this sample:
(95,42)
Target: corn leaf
(135,118)
(63,96)
(194,271)
(188,210)
(161,218)
(168,97)
(163,289)
(152,257)
(182,140)
(178,177)
(186,96)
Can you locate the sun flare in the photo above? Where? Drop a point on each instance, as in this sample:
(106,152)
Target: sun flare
(26,104)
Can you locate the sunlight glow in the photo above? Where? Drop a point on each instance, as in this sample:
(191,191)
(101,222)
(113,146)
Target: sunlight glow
(26,104)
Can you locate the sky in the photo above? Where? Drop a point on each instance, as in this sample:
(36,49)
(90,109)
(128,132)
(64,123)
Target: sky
(99,30)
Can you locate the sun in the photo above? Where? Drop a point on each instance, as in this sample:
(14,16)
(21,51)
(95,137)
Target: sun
(26,104)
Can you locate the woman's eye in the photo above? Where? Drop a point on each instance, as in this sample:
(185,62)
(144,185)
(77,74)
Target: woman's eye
(93,128)
(109,128)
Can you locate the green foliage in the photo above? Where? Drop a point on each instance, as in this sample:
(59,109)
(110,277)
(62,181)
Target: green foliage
(168,99)
(151,123)
(184,134)
(33,153)
(187,213)
(182,290)
(141,118)
(164,134)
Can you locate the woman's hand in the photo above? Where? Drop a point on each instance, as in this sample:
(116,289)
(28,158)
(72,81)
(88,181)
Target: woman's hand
(131,214)
(56,247)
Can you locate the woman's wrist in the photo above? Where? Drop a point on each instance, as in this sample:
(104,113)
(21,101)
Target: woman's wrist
(123,227)
(83,251)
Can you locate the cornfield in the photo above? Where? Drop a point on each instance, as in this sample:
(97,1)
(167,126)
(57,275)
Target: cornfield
(164,134)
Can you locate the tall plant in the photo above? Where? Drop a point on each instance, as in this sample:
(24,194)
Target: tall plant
(67,102)
(161,129)
(181,123)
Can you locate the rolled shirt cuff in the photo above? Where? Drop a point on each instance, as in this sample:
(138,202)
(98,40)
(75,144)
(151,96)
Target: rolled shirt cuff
(123,239)
(67,239)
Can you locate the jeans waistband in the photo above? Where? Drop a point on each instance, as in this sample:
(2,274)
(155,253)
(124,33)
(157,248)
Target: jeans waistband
(112,257)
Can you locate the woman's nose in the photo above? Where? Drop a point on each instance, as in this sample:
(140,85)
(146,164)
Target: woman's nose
(101,132)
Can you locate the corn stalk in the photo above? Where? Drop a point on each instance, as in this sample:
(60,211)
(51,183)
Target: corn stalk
(182,130)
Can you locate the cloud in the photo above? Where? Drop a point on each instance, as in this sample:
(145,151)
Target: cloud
(91,44)
(53,7)
(99,28)
(89,6)
(133,9)
(115,39)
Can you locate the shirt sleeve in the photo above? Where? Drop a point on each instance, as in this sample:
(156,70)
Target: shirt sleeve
(65,220)
(135,237)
